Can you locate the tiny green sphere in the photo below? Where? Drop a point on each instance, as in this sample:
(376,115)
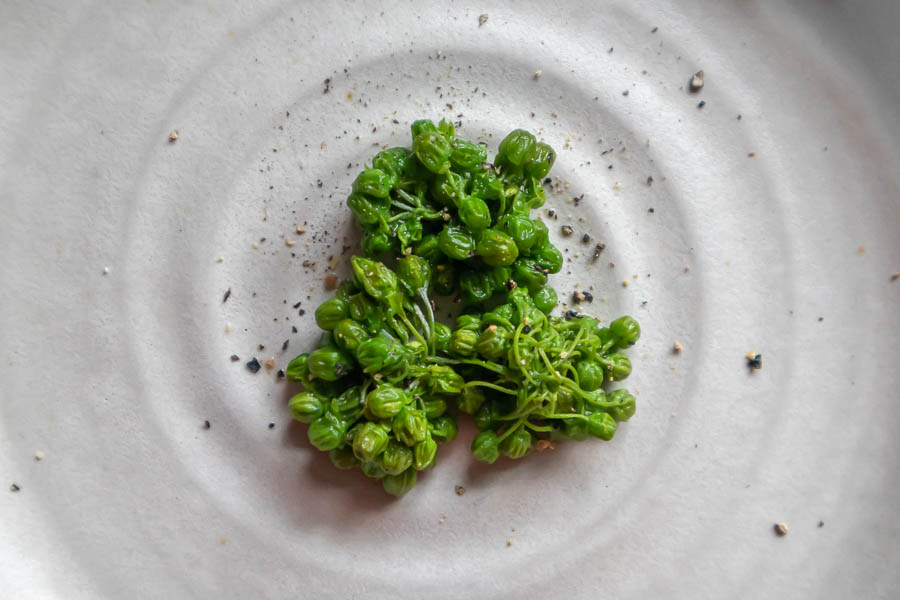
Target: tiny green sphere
(548,257)
(521,229)
(596,400)
(497,248)
(434,408)
(623,405)
(370,441)
(475,286)
(444,282)
(441,334)
(367,210)
(386,401)
(517,147)
(410,426)
(545,299)
(392,161)
(500,277)
(429,248)
(500,316)
(576,429)
(466,155)
(398,485)
(375,243)
(361,307)
(529,274)
(619,366)
(348,407)
(470,321)
(494,342)
(414,273)
(456,242)
(424,453)
(462,342)
(486,184)
(433,150)
(326,432)
(374,182)
(486,447)
(306,407)
(485,416)
(517,444)
(602,425)
(342,457)
(625,331)
(348,334)
(541,160)
(443,429)
(330,363)
(474,213)
(541,233)
(590,374)
(421,126)
(331,312)
(470,400)
(373,469)
(565,401)
(298,369)
(380,355)
(396,458)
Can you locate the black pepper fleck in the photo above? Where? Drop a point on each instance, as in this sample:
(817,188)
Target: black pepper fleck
(293,328)
(754,360)
(14,487)
(301,312)
(298,305)
(226,296)
(271,425)
(235,358)
(280,373)
(253,365)
(585,238)
(548,181)
(284,346)
(261,347)
(206,425)
(701,104)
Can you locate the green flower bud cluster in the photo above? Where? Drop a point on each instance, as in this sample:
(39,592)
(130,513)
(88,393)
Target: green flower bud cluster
(384,386)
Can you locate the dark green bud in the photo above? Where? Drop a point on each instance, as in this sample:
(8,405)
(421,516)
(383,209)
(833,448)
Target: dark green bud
(424,453)
(602,425)
(475,286)
(342,458)
(441,334)
(435,407)
(386,401)
(494,342)
(433,150)
(517,444)
(496,248)
(470,400)
(373,469)
(326,432)
(541,160)
(421,126)
(456,242)
(623,405)
(576,429)
(548,257)
(474,213)
(443,429)
(429,249)
(462,342)
(348,334)
(618,367)
(486,447)
(545,299)
(529,274)
(392,161)
(374,182)
(396,458)
(444,281)
(521,229)
(349,405)
(331,312)
(414,273)
(410,426)
(397,485)
(625,331)
(517,147)
(298,369)
(467,156)
(306,407)
(590,374)
(329,363)
(370,441)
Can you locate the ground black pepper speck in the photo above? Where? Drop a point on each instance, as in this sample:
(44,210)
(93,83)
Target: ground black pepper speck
(206,425)
(235,358)
(253,365)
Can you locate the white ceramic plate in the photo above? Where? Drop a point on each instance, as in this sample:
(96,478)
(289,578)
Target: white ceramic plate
(774,227)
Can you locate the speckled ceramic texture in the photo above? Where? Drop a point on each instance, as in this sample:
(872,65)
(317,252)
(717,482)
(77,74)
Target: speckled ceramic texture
(771,224)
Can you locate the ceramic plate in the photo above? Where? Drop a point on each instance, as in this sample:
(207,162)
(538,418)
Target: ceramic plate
(758,213)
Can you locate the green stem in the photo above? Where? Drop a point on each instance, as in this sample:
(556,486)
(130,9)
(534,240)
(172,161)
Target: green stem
(531,425)
(489,385)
